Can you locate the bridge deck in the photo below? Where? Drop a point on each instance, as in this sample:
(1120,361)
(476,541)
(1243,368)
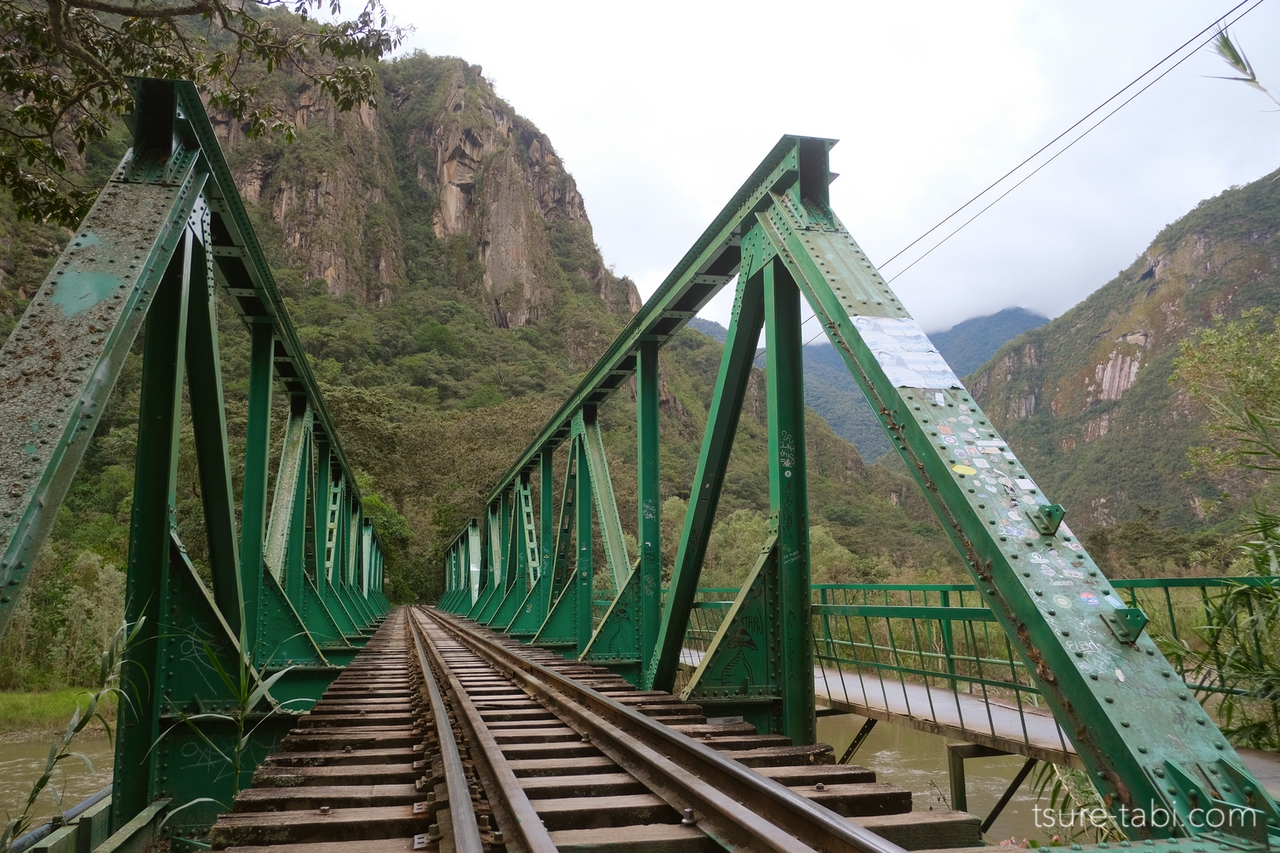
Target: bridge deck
(1029,731)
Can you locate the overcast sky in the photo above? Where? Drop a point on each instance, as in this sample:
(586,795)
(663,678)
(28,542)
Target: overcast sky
(662,109)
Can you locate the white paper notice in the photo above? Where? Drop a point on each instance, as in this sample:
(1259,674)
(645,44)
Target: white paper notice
(905,353)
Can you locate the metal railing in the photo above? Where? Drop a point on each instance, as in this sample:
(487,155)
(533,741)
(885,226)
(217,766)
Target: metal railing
(710,606)
(934,656)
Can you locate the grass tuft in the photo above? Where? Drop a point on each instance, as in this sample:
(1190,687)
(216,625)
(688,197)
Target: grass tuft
(43,711)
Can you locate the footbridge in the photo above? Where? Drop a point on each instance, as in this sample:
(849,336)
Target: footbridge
(568,692)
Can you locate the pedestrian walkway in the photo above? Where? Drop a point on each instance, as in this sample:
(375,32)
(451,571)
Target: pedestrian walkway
(1027,730)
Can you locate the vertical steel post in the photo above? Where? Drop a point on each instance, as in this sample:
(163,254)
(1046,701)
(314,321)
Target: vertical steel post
(585,568)
(474,560)
(147,590)
(295,555)
(547,507)
(649,498)
(253,514)
(320,525)
(788,499)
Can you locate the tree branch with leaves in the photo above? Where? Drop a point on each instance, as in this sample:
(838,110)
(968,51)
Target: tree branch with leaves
(63,65)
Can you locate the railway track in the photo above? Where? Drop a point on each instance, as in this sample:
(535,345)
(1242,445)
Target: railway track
(444,736)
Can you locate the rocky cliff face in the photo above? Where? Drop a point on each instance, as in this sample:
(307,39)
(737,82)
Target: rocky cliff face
(487,175)
(1087,399)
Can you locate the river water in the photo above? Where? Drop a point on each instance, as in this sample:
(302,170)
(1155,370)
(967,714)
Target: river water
(21,764)
(915,760)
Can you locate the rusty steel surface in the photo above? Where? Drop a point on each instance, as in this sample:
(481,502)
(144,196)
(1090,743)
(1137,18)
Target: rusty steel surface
(734,806)
(555,755)
(61,363)
(465,831)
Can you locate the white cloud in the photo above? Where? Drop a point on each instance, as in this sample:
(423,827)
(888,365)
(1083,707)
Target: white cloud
(662,110)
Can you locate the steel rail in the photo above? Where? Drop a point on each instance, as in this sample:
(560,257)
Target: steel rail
(735,805)
(462,819)
(485,750)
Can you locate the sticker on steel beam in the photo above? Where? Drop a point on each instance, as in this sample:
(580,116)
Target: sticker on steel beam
(907,356)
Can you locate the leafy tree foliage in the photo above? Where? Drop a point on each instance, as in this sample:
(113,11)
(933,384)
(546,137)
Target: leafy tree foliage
(1233,371)
(64,64)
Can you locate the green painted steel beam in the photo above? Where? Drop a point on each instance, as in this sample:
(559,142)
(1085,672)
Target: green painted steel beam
(615,544)
(759,665)
(1137,728)
(522,548)
(583,582)
(704,495)
(165,234)
(253,518)
(557,572)
(649,499)
(61,362)
(567,628)
(148,579)
(788,501)
(474,561)
(209,424)
(546,507)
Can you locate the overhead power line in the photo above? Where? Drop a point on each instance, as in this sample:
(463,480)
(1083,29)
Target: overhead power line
(1212,26)
(1198,40)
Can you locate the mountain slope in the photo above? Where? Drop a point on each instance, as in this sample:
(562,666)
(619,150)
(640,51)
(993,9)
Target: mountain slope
(831,392)
(438,263)
(1086,399)
(970,343)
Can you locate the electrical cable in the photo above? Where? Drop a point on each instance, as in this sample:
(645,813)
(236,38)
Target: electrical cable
(1081,121)
(1065,148)
(1216,23)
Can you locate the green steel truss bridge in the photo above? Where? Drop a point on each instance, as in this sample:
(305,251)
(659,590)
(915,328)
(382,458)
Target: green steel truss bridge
(293,587)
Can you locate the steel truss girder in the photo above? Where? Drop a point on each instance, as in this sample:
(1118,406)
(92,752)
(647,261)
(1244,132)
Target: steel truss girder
(760,663)
(1135,726)
(567,628)
(522,558)
(168,230)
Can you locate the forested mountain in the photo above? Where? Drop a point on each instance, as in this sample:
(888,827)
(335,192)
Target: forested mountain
(437,259)
(969,344)
(831,392)
(1087,399)
(438,262)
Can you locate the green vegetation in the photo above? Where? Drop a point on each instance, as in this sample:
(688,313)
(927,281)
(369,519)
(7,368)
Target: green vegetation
(1233,371)
(64,75)
(434,396)
(1240,643)
(91,706)
(43,711)
(1086,399)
